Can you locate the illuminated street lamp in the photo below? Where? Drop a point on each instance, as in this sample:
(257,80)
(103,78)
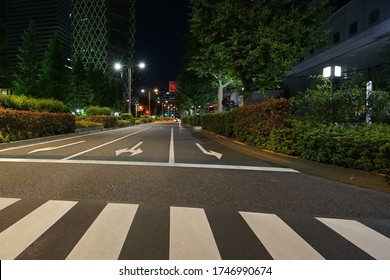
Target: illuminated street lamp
(130,68)
(330,72)
(155,91)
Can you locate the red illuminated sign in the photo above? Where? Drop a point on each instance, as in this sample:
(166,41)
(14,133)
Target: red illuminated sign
(172,86)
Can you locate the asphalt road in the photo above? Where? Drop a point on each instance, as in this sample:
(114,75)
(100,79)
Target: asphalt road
(169,173)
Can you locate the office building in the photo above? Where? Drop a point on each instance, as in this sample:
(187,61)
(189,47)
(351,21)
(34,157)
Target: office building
(359,31)
(103,32)
(49,16)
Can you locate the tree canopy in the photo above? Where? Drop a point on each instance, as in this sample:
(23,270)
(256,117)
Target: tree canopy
(26,78)
(255,42)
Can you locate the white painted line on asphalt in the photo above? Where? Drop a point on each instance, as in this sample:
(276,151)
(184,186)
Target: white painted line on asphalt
(152,164)
(15,239)
(105,144)
(5,202)
(172,149)
(55,148)
(211,153)
(52,141)
(191,237)
(105,237)
(367,239)
(281,241)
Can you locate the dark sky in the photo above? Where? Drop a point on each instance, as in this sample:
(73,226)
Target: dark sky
(160,41)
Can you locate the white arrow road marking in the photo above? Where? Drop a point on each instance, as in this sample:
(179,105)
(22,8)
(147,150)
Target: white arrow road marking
(55,148)
(211,153)
(134,151)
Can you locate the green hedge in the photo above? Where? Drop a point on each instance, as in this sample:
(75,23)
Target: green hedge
(255,123)
(364,147)
(98,111)
(107,121)
(24,103)
(19,125)
(271,126)
(221,123)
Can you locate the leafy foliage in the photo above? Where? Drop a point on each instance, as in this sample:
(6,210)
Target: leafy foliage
(19,125)
(26,78)
(53,79)
(24,103)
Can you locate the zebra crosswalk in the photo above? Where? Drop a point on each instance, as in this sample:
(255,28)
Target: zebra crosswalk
(96,230)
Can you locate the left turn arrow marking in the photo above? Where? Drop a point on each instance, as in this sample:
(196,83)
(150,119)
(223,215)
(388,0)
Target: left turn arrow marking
(134,150)
(55,148)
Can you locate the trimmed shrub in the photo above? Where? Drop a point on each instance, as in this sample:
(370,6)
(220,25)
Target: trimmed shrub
(221,123)
(19,125)
(86,124)
(107,121)
(255,123)
(24,103)
(98,111)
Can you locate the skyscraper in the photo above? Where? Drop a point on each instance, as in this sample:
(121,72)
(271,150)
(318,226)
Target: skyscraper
(50,17)
(103,31)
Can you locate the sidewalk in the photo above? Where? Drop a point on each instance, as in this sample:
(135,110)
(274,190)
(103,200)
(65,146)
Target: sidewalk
(332,172)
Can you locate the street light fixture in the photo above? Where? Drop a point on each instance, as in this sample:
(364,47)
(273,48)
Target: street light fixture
(155,91)
(130,68)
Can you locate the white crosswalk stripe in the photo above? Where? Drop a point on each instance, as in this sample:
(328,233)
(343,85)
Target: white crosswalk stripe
(98,242)
(191,235)
(281,241)
(20,235)
(5,202)
(370,241)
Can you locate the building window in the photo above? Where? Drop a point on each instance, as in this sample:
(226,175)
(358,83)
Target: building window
(374,16)
(336,37)
(353,28)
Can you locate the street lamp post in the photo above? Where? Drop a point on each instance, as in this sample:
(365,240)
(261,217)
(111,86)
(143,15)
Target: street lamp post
(155,91)
(331,72)
(129,67)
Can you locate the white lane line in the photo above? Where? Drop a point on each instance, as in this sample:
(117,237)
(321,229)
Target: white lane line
(367,239)
(281,241)
(191,237)
(52,141)
(172,149)
(106,236)
(105,144)
(15,239)
(152,164)
(5,202)
(55,148)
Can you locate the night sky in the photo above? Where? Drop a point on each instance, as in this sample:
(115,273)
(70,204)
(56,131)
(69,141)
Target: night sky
(160,41)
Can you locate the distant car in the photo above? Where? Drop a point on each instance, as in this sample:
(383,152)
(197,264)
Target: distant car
(176,120)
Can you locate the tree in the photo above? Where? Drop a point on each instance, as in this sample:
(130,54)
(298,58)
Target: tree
(80,91)
(4,77)
(26,78)
(194,89)
(255,41)
(210,56)
(54,77)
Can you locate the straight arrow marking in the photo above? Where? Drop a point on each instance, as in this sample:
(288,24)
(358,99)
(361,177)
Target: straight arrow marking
(134,150)
(55,148)
(211,153)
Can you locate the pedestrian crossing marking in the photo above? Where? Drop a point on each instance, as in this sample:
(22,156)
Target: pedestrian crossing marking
(367,239)
(98,242)
(20,235)
(282,242)
(191,236)
(5,202)
(190,232)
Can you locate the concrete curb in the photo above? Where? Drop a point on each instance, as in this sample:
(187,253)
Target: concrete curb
(332,172)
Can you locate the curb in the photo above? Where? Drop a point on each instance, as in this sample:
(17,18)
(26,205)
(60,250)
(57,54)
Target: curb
(345,175)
